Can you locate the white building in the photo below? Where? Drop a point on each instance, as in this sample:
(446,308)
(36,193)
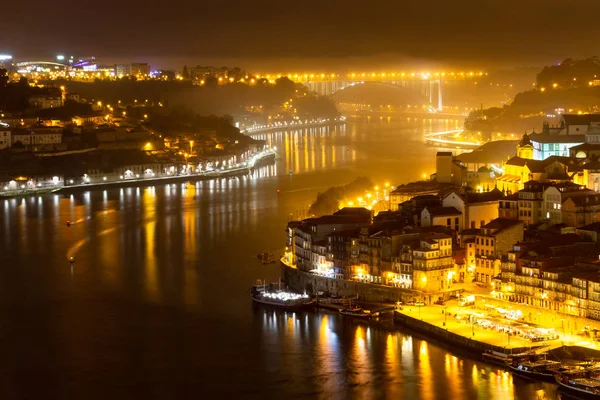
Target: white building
(553,197)
(37,137)
(477,209)
(443,216)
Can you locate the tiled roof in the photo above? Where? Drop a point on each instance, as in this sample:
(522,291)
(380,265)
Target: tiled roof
(493,195)
(439,211)
(499,224)
(543,138)
(593,227)
(580,119)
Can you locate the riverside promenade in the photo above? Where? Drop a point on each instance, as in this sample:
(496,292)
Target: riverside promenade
(257,160)
(440,322)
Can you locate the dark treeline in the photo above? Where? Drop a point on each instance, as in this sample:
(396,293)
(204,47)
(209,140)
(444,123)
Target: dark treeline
(209,99)
(570,85)
(14,95)
(328,201)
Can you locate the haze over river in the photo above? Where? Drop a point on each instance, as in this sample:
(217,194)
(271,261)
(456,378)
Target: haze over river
(156,304)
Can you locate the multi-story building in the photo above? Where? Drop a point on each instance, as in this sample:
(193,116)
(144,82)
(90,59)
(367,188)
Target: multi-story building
(508,207)
(140,69)
(36,137)
(442,216)
(580,210)
(492,244)
(45,100)
(530,202)
(313,230)
(553,197)
(433,268)
(342,251)
(5,138)
(123,70)
(477,209)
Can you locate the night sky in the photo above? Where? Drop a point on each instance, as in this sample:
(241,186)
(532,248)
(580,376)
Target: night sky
(430,32)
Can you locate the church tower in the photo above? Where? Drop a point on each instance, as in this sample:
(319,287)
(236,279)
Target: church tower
(525,148)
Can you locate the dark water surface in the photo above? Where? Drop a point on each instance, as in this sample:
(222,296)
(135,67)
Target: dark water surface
(156,304)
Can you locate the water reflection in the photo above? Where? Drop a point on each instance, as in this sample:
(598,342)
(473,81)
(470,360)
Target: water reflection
(159,288)
(379,362)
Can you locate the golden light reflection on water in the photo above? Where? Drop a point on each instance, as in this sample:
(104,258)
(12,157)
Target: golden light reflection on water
(426,382)
(393,359)
(150,273)
(454,375)
(360,363)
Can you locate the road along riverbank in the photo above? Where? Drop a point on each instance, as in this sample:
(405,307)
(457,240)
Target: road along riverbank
(262,159)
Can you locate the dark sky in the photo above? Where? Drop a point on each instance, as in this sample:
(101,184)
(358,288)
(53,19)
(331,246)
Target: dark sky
(305,33)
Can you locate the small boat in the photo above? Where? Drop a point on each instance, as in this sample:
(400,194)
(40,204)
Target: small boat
(281,298)
(536,368)
(266,257)
(496,357)
(357,312)
(581,384)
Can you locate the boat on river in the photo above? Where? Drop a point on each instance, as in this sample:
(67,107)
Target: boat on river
(266,257)
(536,367)
(268,295)
(356,312)
(496,357)
(581,384)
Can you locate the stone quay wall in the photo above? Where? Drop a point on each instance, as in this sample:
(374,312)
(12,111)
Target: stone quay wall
(301,281)
(441,334)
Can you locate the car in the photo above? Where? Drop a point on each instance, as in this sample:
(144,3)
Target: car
(440,302)
(419,304)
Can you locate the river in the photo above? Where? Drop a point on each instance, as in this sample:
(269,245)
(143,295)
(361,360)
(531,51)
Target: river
(156,303)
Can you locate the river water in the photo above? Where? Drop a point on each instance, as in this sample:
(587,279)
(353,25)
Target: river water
(156,304)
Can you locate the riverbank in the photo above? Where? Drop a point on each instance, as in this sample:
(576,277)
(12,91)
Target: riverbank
(293,125)
(300,281)
(446,323)
(261,159)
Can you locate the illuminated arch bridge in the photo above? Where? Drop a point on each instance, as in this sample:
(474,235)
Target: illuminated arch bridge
(429,84)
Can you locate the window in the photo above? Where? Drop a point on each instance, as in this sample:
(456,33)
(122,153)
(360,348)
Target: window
(472,224)
(448,221)
(487,242)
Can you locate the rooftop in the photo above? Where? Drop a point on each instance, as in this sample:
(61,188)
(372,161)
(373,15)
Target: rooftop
(545,138)
(499,224)
(593,227)
(580,119)
(490,153)
(440,211)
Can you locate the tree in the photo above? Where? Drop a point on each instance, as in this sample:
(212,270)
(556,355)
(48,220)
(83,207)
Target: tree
(285,85)
(185,74)
(211,81)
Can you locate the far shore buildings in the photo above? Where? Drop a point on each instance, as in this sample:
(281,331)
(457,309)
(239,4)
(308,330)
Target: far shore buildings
(531,236)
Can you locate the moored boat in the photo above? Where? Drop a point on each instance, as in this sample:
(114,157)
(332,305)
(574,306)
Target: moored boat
(266,257)
(579,384)
(281,298)
(496,358)
(356,312)
(536,368)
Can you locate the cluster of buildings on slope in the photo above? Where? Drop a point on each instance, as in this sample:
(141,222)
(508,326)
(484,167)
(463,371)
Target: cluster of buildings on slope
(527,229)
